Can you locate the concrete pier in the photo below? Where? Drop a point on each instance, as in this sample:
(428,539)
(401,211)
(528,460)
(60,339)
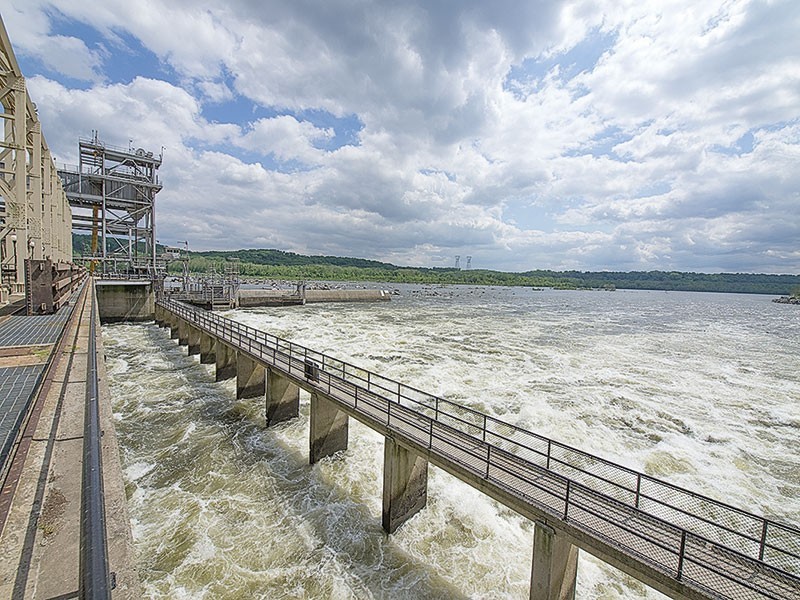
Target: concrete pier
(405,484)
(194,340)
(329,428)
(250,377)
(158,316)
(282,398)
(174,325)
(225,359)
(125,300)
(183,333)
(555,565)
(207,354)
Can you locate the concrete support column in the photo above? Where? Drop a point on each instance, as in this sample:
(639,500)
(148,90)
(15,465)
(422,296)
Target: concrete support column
(225,358)
(183,332)
(283,398)
(165,318)
(174,323)
(207,356)
(158,315)
(194,340)
(329,428)
(555,565)
(250,377)
(405,485)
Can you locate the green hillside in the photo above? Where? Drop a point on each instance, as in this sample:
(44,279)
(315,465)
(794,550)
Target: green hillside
(277,264)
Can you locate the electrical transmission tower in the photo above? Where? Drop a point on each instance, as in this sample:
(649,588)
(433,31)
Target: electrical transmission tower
(458,261)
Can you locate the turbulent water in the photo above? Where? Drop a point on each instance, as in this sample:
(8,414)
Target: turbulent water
(699,389)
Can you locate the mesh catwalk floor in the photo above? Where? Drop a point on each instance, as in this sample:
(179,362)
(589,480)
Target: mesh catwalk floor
(28,331)
(16,387)
(17,383)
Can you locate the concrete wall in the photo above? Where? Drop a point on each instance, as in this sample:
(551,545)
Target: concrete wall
(250,298)
(125,301)
(347,296)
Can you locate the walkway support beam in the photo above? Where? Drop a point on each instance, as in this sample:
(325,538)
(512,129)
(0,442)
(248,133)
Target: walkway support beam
(329,428)
(282,398)
(194,340)
(405,484)
(207,355)
(555,565)
(183,332)
(250,377)
(225,359)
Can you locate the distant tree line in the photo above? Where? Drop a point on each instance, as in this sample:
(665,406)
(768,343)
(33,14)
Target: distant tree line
(276,264)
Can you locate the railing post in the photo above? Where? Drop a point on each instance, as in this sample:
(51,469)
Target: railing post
(488,459)
(566,501)
(763,541)
(638,488)
(484,428)
(549,443)
(680,556)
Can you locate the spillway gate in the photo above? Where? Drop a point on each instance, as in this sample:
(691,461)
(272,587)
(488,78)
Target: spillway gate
(682,543)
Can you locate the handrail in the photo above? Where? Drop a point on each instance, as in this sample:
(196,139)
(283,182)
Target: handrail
(94,575)
(556,477)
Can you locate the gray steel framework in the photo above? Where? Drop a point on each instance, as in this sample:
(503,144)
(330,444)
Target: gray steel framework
(112,192)
(683,543)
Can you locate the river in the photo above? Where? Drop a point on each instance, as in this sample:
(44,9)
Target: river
(699,389)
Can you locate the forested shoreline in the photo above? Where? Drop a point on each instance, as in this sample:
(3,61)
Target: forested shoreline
(287,265)
(277,264)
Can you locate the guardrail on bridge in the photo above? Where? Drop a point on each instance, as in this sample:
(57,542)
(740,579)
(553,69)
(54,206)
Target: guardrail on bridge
(708,548)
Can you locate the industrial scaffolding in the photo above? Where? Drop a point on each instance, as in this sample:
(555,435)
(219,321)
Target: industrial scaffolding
(35,218)
(112,192)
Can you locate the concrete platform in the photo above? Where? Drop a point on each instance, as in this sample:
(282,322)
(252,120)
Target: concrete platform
(40,527)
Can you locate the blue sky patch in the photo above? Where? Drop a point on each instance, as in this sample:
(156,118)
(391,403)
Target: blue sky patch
(124,56)
(744,145)
(602,144)
(579,59)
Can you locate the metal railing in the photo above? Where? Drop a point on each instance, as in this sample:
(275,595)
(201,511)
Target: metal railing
(95,580)
(722,550)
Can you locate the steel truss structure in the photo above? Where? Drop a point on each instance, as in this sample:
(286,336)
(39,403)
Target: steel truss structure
(112,192)
(35,217)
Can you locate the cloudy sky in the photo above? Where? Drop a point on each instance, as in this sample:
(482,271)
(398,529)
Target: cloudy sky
(592,135)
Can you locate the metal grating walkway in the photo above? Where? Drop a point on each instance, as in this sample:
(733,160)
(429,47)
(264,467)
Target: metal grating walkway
(16,386)
(35,330)
(18,383)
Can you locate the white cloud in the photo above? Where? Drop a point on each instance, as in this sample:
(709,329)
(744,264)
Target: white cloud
(674,145)
(30,32)
(287,138)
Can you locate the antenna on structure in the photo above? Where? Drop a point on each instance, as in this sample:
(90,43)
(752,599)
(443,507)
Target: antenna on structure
(469,263)
(458,261)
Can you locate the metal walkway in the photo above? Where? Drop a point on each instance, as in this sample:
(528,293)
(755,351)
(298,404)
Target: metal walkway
(688,543)
(18,383)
